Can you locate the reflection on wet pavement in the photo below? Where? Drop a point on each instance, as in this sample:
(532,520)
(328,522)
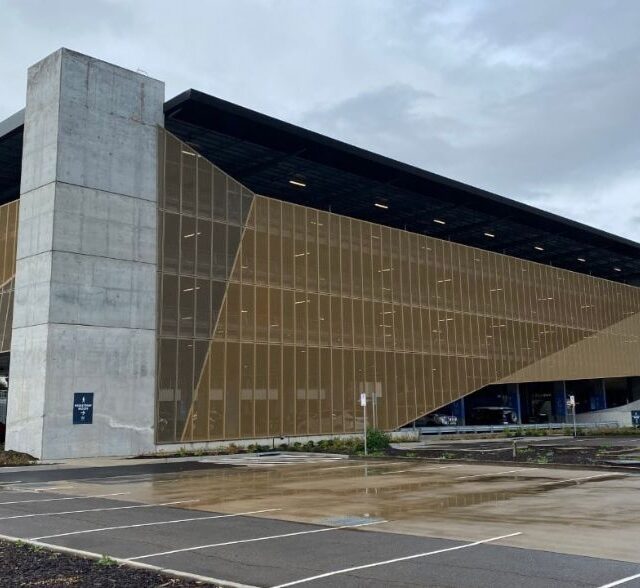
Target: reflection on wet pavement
(583,511)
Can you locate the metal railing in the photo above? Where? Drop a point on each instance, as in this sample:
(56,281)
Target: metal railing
(466,429)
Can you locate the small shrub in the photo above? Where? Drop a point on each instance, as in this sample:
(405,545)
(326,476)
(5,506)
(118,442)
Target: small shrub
(377,440)
(232,449)
(510,433)
(617,432)
(106,561)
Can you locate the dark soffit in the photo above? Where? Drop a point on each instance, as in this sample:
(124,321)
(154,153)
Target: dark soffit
(265,153)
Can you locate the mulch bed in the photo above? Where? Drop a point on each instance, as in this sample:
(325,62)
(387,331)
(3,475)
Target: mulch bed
(25,565)
(15,458)
(526,453)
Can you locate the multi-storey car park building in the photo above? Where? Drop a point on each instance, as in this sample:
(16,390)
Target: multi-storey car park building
(193,271)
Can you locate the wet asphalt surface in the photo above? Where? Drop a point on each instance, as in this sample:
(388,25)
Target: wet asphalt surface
(261,551)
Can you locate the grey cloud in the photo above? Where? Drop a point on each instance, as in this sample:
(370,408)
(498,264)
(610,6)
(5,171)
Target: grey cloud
(534,100)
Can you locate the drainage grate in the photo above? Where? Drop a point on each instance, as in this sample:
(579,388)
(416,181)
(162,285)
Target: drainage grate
(348,520)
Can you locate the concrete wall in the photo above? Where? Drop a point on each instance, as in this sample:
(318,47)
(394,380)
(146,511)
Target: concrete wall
(85,302)
(618,414)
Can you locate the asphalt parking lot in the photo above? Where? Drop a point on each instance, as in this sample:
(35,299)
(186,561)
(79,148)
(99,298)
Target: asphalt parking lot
(319,521)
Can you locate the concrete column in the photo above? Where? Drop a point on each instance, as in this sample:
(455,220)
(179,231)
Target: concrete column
(560,401)
(458,410)
(597,395)
(514,400)
(523,398)
(85,298)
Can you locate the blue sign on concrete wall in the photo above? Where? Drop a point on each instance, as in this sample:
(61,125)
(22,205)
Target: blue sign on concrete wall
(635,418)
(83,408)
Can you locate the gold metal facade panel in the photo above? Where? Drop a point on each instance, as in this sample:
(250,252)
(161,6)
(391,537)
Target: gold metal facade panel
(274,317)
(8,242)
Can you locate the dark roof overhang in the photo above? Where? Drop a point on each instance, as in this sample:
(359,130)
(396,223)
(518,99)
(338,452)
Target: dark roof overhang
(265,154)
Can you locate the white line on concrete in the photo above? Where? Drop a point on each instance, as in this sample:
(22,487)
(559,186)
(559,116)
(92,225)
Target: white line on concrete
(621,581)
(22,490)
(395,560)
(360,465)
(132,564)
(43,489)
(100,478)
(141,476)
(579,479)
(492,474)
(338,468)
(421,470)
(55,514)
(212,545)
(65,498)
(276,463)
(98,530)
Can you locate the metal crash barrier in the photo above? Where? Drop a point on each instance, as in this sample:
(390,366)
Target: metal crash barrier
(466,429)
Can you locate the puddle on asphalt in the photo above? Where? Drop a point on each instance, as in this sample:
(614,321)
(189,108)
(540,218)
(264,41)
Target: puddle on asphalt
(424,500)
(414,491)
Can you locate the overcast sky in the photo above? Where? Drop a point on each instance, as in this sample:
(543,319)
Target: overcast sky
(537,100)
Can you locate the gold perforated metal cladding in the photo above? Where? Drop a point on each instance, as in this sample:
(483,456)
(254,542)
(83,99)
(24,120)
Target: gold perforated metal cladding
(274,317)
(8,241)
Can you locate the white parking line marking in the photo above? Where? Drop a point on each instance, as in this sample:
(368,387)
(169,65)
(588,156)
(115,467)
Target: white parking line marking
(420,470)
(397,559)
(360,465)
(493,474)
(269,460)
(99,478)
(212,545)
(22,490)
(134,564)
(338,468)
(277,463)
(65,498)
(621,581)
(55,514)
(579,479)
(43,489)
(224,516)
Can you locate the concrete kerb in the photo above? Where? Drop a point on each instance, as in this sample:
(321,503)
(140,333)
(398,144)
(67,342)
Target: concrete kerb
(534,465)
(82,463)
(125,562)
(125,462)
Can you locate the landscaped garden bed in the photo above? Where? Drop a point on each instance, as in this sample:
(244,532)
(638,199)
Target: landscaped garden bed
(28,566)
